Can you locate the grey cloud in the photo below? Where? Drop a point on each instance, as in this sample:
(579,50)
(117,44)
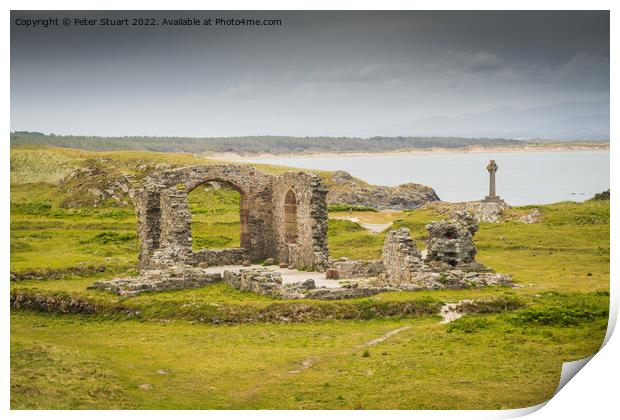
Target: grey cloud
(327,73)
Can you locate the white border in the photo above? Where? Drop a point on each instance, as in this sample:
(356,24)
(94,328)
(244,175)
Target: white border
(593,393)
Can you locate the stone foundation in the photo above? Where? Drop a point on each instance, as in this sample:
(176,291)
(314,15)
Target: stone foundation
(264,281)
(215,257)
(352,269)
(175,278)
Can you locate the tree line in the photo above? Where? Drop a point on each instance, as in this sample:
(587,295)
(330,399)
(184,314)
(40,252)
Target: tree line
(252,144)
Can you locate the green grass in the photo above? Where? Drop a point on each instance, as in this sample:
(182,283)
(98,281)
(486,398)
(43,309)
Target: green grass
(349,239)
(72,361)
(507,353)
(215,217)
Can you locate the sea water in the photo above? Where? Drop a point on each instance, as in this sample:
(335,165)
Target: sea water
(523,177)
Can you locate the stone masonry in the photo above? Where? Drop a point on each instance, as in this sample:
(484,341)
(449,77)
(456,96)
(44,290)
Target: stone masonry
(451,241)
(164,219)
(401,257)
(449,263)
(284,221)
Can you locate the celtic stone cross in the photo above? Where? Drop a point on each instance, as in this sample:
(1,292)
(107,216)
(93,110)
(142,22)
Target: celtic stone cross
(492,168)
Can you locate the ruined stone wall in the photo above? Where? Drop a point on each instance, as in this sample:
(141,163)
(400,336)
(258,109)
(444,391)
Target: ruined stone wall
(309,250)
(164,219)
(214,257)
(261,281)
(401,257)
(451,241)
(353,269)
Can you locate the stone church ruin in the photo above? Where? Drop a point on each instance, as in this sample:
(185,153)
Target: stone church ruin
(283,243)
(281,217)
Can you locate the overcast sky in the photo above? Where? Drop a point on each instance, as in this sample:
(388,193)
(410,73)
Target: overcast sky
(319,73)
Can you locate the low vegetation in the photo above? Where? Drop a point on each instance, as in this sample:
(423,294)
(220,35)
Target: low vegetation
(205,348)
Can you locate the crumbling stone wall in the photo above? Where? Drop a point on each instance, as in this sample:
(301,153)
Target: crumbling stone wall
(451,241)
(401,257)
(164,218)
(309,247)
(449,263)
(353,269)
(214,257)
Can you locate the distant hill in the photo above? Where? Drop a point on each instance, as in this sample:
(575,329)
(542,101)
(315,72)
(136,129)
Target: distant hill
(254,144)
(563,121)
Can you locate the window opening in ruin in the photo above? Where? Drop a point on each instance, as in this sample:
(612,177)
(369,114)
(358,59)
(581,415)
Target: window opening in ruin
(290,217)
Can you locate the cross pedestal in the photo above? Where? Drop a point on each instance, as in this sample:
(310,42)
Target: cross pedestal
(492,168)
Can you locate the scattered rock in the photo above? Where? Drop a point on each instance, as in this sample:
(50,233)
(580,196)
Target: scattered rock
(482,211)
(95,185)
(532,217)
(309,284)
(174,278)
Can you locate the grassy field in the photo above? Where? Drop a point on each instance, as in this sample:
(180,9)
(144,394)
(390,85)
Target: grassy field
(217,347)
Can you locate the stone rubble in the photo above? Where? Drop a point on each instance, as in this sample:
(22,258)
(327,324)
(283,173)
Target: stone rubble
(352,269)
(482,211)
(284,221)
(174,278)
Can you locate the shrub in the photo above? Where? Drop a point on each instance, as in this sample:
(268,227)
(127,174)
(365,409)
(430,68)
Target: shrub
(468,324)
(559,316)
(32,208)
(349,207)
(105,238)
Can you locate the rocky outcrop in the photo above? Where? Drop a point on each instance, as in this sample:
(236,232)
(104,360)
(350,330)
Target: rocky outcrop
(602,196)
(533,216)
(482,211)
(95,186)
(344,189)
(99,184)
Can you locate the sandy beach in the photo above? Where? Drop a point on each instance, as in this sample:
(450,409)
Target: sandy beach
(577,147)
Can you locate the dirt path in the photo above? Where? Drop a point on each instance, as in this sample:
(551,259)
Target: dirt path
(310,361)
(385,336)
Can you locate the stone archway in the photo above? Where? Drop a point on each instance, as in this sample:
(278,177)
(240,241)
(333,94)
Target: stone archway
(164,218)
(219,184)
